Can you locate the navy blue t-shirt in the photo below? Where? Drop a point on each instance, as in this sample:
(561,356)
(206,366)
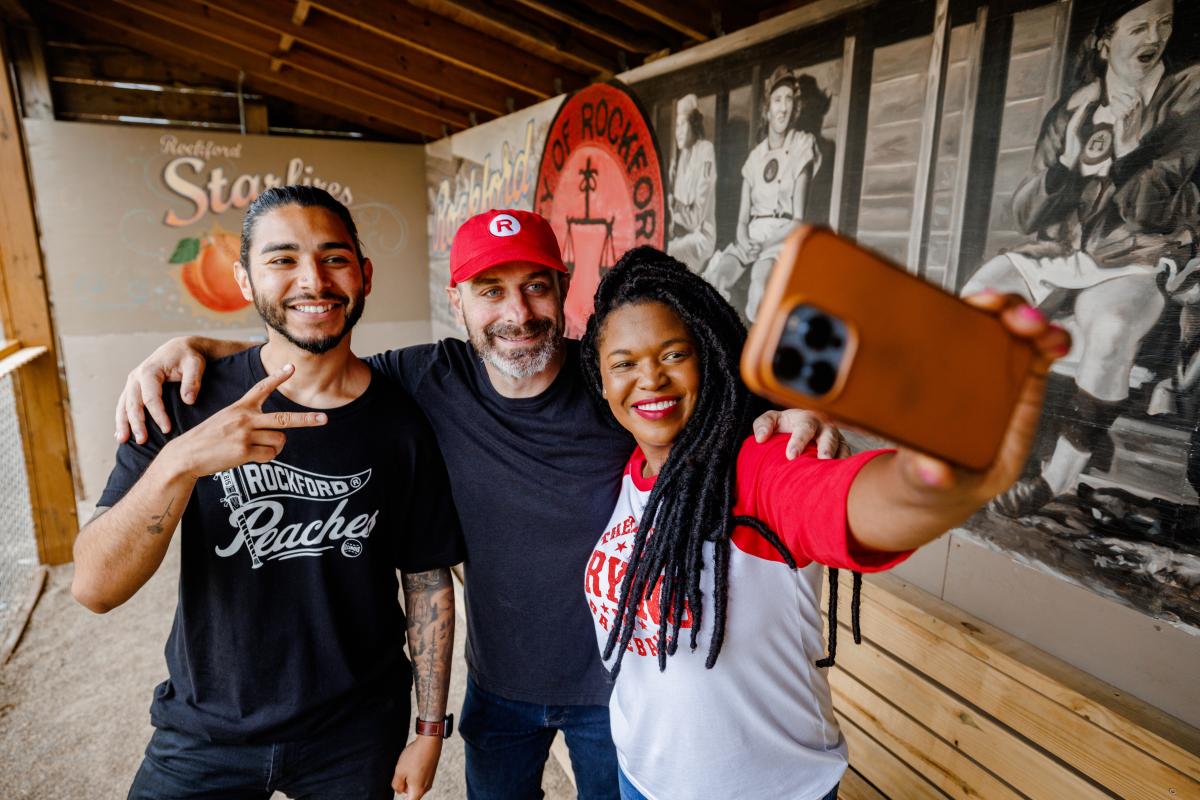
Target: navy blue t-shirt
(304,630)
(535,480)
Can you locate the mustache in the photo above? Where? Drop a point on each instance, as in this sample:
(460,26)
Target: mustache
(534,327)
(313,298)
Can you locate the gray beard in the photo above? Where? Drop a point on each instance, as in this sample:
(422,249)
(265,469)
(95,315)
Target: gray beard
(524,363)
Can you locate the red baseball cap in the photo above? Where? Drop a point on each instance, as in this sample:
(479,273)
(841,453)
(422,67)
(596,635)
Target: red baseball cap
(499,237)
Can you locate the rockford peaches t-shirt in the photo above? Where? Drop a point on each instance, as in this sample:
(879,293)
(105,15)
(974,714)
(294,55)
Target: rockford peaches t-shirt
(288,618)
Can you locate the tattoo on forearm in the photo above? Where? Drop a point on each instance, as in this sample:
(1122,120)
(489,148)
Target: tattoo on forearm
(429,606)
(156,527)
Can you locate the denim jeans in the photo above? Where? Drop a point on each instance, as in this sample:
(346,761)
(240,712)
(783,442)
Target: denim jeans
(507,742)
(630,792)
(349,762)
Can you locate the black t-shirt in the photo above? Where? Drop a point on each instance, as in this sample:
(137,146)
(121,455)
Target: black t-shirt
(308,632)
(535,480)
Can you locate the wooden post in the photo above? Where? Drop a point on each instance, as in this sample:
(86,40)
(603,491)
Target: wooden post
(256,118)
(25,310)
(30,59)
(935,85)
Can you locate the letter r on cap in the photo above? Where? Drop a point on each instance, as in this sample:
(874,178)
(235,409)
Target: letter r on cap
(504,225)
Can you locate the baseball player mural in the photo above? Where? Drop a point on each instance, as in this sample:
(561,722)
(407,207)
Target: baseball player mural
(1112,208)
(693,184)
(1093,215)
(775,183)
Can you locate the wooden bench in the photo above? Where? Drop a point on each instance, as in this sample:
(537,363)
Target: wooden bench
(935,703)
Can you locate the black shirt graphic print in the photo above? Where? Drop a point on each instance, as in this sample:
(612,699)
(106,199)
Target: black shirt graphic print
(288,617)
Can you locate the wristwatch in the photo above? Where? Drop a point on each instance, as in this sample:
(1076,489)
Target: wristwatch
(442,728)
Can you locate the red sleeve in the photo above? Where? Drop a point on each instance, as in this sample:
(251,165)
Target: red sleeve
(804,502)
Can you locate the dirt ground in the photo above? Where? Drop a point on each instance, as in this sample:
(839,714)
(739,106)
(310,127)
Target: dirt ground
(75,697)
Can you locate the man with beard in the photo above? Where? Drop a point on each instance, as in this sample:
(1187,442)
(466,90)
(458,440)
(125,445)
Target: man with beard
(286,660)
(535,468)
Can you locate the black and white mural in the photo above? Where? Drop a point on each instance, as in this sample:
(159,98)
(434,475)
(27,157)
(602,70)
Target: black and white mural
(1043,148)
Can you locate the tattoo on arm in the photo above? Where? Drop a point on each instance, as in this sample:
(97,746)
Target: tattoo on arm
(429,606)
(155,527)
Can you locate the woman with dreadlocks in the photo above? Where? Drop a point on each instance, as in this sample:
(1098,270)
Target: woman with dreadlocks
(717,542)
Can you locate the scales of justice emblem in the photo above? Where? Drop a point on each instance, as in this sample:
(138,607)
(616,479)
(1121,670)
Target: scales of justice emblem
(608,253)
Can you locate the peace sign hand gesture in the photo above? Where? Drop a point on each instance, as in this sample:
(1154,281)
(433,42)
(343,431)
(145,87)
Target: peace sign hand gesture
(239,433)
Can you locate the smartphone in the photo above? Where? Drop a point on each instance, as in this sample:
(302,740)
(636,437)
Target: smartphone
(843,331)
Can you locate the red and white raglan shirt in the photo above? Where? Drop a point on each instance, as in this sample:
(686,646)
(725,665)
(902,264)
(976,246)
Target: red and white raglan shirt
(760,723)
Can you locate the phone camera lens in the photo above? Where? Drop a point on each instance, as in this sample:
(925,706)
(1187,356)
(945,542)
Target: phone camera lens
(788,363)
(821,376)
(819,334)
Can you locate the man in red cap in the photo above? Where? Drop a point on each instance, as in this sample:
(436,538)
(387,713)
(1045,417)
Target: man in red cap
(535,471)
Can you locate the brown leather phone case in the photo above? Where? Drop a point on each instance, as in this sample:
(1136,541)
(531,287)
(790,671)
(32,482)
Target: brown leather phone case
(917,365)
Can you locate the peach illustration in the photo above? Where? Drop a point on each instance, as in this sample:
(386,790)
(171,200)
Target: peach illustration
(208,269)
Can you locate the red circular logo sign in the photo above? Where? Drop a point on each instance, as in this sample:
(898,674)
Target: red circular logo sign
(600,184)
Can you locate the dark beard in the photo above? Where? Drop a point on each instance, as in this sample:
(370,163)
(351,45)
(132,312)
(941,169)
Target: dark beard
(275,316)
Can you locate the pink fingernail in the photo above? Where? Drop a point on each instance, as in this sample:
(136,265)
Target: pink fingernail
(930,475)
(1031,314)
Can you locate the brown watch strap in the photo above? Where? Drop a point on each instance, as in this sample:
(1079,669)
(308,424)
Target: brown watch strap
(441,729)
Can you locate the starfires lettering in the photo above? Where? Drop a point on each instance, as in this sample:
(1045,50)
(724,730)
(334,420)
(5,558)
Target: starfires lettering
(215,193)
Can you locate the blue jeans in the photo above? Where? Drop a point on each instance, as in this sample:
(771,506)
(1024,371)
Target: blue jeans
(630,792)
(342,763)
(507,742)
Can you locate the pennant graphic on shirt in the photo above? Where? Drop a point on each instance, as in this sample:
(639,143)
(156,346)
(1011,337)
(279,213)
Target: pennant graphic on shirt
(252,493)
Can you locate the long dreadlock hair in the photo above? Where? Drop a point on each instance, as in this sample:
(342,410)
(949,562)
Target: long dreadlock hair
(694,494)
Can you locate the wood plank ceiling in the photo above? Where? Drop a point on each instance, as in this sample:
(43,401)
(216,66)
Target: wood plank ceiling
(399,70)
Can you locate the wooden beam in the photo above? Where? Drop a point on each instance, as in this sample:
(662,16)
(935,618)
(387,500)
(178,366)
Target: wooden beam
(454,43)
(286,40)
(300,15)
(29,58)
(14,11)
(585,19)
(77,97)
(253,50)
(691,19)
(447,85)
(931,126)
(25,310)
(558,46)
(258,42)
(254,118)
(222,60)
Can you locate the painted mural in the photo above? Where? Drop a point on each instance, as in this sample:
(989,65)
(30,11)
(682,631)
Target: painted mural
(1055,157)
(600,185)
(147,242)
(490,166)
